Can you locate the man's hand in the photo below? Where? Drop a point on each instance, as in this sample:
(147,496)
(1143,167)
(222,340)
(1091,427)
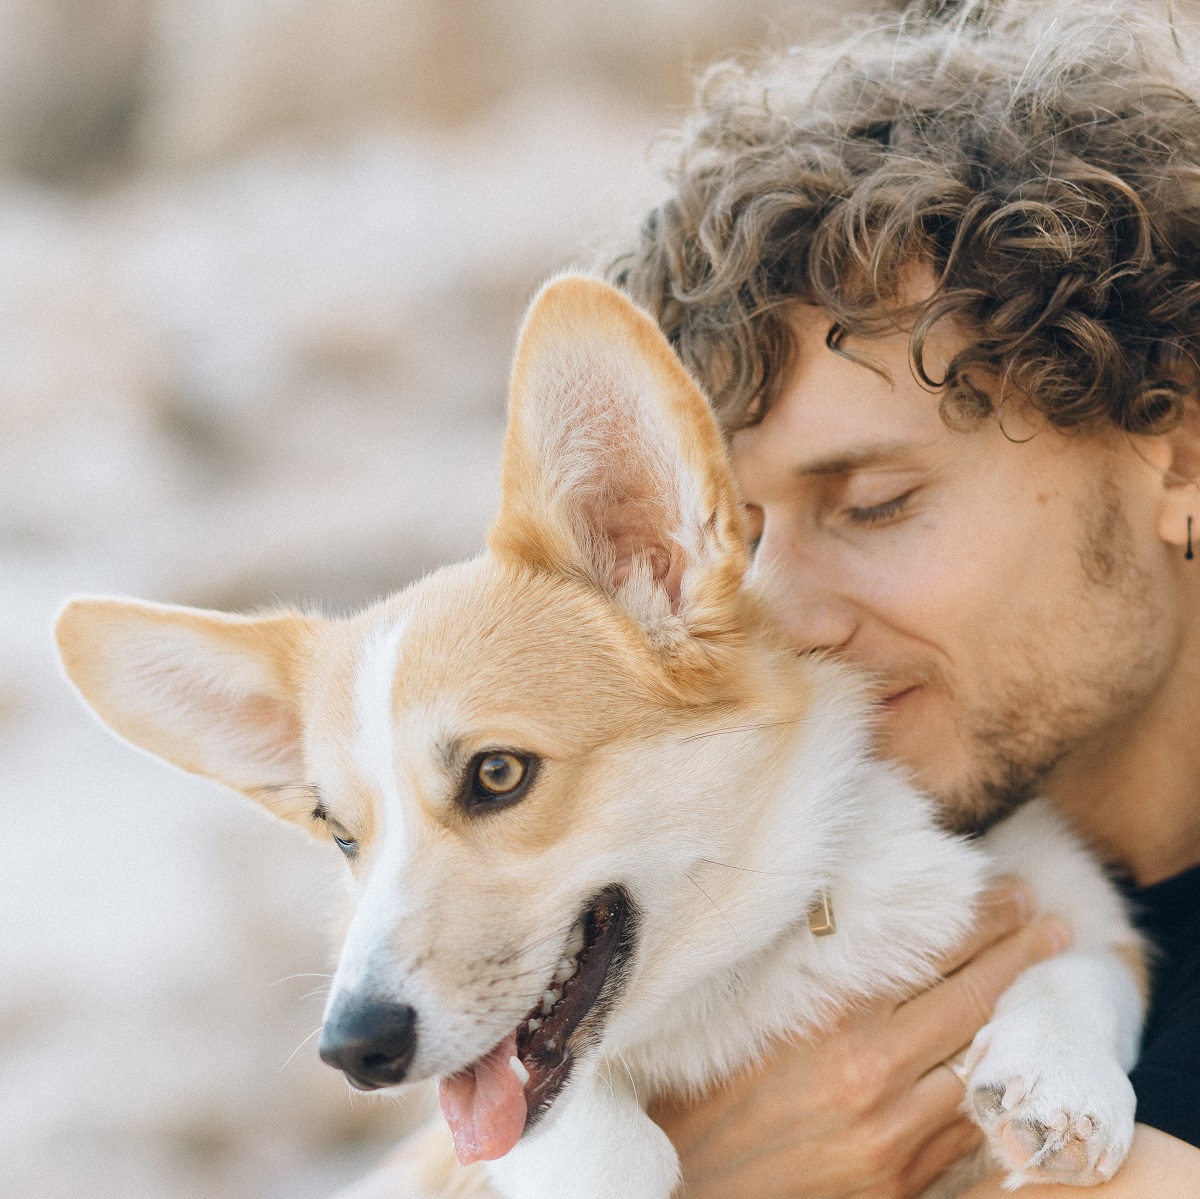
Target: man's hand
(870,1110)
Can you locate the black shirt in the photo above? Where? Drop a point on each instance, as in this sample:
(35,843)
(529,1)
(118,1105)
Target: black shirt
(1167,1076)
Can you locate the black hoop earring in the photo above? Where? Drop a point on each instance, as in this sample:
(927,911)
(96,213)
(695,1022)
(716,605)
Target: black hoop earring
(1188,554)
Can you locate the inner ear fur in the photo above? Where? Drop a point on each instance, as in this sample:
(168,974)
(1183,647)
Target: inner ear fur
(614,468)
(211,693)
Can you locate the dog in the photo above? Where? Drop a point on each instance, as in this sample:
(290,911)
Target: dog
(608,836)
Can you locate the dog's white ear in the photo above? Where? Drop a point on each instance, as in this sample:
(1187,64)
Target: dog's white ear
(614,468)
(213,694)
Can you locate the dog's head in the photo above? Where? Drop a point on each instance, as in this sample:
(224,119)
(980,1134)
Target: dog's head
(503,751)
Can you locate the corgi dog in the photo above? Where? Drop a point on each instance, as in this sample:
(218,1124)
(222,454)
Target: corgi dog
(607,835)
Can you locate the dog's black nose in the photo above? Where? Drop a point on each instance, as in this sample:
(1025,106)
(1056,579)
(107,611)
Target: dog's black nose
(371,1041)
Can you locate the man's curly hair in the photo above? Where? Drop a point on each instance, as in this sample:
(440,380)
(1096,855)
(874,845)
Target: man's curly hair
(1042,158)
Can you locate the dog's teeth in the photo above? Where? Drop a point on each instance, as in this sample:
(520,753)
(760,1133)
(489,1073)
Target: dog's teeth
(566,969)
(549,999)
(534,1024)
(516,1066)
(577,941)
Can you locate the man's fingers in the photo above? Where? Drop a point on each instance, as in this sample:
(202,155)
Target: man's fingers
(943,1020)
(938,1154)
(1003,908)
(935,1101)
(910,1122)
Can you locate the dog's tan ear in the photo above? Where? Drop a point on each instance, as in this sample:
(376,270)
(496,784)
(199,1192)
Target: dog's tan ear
(614,468)
(213,694)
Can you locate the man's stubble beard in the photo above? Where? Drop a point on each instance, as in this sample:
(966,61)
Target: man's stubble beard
(1067,685)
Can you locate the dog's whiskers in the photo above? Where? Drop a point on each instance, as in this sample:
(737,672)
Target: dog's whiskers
(300,1046)
(321,886)
(632,1081)
(746,869)
(287,978)
(273,796)
(741,728)
(271,788)
(710,900)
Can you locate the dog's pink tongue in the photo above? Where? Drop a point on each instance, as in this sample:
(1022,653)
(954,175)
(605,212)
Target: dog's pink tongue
(485,1105)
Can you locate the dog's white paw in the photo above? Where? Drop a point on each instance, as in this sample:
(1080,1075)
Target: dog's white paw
(1055,1107)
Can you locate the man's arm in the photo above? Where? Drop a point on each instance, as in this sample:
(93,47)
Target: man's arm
(1158,1167)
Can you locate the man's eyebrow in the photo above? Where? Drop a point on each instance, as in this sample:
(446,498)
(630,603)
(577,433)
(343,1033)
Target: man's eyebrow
(845,461)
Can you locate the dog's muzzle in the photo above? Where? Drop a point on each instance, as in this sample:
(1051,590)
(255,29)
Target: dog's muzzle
(371,1041)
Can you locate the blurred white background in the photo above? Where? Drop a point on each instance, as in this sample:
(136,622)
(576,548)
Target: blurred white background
(261,263)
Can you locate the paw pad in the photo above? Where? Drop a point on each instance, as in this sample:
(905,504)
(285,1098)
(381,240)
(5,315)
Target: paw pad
(1063,1126)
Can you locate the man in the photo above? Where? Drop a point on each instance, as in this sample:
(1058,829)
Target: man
(945,295)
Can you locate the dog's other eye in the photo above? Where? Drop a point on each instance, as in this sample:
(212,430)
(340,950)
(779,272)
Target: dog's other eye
(347,845)
(498,777)
(342,839)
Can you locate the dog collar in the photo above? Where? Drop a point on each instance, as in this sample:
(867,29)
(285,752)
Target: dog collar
(820,916)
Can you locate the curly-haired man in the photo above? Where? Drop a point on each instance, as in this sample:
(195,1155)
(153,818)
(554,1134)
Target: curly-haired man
(943,287)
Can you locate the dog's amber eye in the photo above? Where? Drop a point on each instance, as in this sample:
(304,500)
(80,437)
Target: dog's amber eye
(500,774)
(497,778)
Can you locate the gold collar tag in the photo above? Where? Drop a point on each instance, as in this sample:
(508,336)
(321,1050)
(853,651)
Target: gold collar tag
(820,916)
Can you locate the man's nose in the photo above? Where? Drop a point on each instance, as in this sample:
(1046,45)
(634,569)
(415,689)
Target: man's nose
(808,603)
(371,1041)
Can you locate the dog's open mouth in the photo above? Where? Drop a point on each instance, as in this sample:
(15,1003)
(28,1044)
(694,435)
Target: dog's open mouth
(495,1099)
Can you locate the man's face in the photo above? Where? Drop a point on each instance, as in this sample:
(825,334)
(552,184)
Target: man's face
(1004,583)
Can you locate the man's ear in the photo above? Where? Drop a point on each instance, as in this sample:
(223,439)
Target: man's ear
(614,469)
(1179,451)
(213,694)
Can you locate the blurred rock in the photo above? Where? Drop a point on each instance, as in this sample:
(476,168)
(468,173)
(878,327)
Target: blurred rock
(91,87)
(223,74)
(71,74)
